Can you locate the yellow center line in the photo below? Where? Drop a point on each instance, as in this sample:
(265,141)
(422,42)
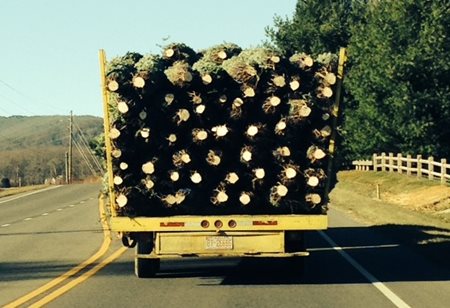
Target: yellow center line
(72,284)
(100,253)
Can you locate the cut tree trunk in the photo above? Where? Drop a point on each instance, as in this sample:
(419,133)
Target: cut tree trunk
(279,81)
(196,177)
(294,84)
(181,158)
(139,82)
(148,167)
(214,158)
(313,198)
(113,86)
(245,198)
(220,196)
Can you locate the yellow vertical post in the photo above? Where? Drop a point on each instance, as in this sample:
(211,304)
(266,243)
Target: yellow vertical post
(106,126)
(335,113)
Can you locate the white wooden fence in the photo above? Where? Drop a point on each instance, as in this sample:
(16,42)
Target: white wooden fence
(418,166)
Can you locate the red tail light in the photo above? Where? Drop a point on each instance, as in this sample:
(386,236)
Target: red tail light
(218,224)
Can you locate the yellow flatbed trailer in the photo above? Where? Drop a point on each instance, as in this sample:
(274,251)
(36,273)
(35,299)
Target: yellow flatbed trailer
(156,238)
(234,235)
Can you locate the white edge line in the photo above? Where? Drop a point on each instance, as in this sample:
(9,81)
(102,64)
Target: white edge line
(355,247)
(397,301)
(30,193)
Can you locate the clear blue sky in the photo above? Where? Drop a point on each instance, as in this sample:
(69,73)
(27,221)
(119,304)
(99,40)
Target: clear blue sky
(49,48)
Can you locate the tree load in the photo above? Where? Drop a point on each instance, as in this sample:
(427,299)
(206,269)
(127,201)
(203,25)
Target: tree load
(221,131)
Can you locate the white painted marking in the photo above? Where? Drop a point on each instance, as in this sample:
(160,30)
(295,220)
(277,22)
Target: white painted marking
(72,205)
(44,214)
(397,301)
(81,202)
(355,247)
(6,225)
(28,218)
(91,198)
(59,210)
(30,193)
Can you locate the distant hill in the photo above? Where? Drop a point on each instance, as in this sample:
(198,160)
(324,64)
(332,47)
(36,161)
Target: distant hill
(33,148)
(18,132)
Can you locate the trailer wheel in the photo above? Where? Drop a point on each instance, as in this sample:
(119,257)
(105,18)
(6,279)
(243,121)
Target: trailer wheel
(296,241)
(145,267)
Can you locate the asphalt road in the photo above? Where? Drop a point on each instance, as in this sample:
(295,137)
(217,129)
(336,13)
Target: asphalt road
(44,234)
(361,267)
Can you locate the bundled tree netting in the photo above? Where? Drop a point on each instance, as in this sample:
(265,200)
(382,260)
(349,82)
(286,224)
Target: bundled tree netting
(252,138)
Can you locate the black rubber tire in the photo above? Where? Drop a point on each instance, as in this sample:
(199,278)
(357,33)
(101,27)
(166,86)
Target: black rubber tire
(145,267)
(295,245)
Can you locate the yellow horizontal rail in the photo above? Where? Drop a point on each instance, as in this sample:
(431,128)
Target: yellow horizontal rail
(211,223)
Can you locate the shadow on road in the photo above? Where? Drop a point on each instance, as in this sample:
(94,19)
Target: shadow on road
(403,253)
(389,252)
(11,234)
(19,271)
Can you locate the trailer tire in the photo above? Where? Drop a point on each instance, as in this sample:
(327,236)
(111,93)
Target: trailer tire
(145,267)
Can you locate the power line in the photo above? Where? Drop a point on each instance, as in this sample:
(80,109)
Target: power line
(11,87)
(5,111)
(86,145)
(29,98)
(86,160)
(83,148)
(17,105)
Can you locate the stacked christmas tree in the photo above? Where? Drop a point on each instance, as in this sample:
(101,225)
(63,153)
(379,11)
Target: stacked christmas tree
(221,131)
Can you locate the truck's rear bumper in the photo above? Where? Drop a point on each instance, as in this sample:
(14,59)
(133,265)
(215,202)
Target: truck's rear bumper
(219,223)
(223,244)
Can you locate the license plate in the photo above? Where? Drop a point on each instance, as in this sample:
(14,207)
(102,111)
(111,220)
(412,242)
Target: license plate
(219,242)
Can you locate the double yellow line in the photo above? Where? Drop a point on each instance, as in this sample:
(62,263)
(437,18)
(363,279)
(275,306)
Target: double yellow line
(68,286)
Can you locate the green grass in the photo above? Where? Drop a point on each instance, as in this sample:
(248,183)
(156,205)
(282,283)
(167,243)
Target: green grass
(394,183)
(355,193)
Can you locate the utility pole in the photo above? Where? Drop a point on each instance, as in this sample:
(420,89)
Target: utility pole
(18,179)
(69,177)
(66,167)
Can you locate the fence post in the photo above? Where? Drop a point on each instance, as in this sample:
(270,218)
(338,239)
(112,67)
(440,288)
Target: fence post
(391,162)
(419,166)
(374,162)
(443,170)
(383,161)
(399,163)
(430,167)
(408,164)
